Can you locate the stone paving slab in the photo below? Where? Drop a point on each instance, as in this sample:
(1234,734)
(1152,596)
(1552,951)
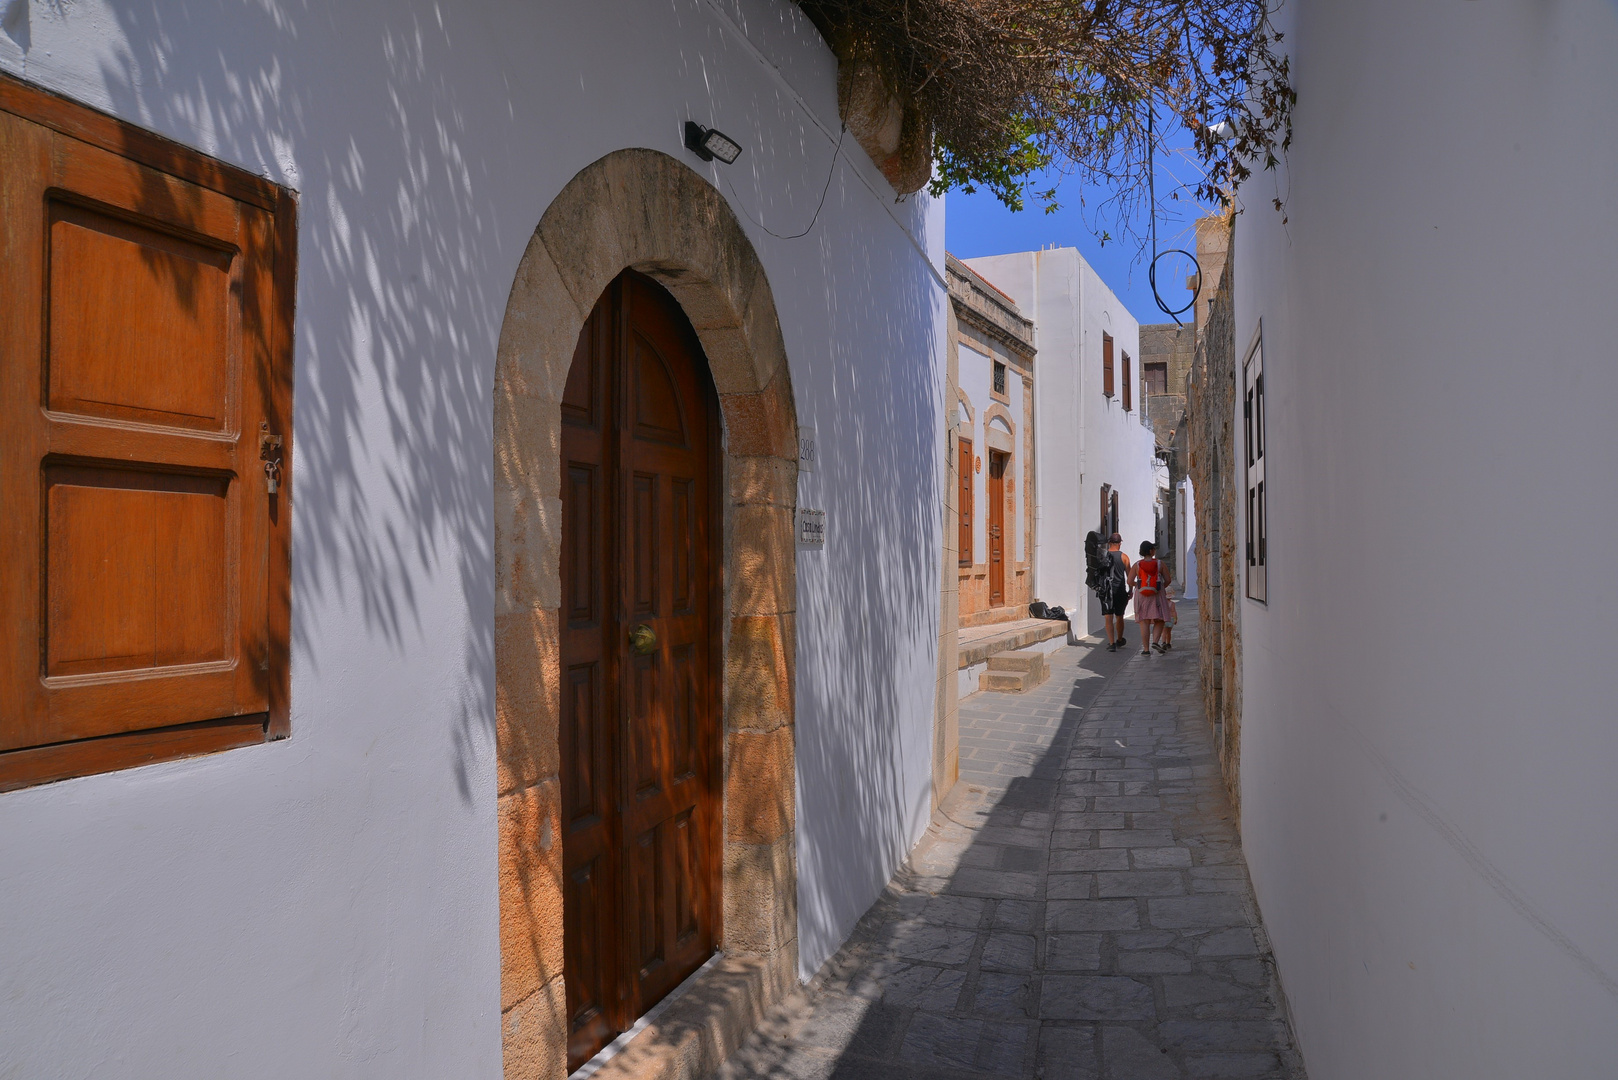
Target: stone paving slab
(1078,910)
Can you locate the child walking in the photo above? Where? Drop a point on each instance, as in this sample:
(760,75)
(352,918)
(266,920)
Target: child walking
(1151,580)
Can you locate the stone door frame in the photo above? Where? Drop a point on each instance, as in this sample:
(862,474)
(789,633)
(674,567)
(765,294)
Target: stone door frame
(643,210)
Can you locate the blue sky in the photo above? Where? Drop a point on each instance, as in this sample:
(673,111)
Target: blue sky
(978,224)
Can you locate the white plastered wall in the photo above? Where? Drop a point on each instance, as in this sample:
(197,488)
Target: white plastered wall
(326,905)
(1428,738)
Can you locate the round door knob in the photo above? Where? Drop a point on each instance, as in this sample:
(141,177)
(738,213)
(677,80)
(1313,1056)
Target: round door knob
(643,639)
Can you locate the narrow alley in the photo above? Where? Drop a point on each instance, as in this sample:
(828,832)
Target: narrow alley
(1079,908)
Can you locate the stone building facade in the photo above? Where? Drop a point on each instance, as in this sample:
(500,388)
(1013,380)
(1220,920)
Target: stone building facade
(1167,351)
(992,426)
(1212,445)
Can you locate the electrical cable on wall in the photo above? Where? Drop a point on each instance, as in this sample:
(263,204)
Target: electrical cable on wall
(836,153)
(1151,188)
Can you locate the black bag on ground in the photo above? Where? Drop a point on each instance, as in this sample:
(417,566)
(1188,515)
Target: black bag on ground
(1038,610)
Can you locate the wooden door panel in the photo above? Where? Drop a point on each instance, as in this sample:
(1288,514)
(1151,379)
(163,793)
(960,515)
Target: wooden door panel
(963,505)
(647,879)
(683,710)
(136,573)
(682,534)
(644,536)
(659,411)
(640,426)
(645,731)
(997,528)
(590,963)
(586,766)
(582,539)
(119,292)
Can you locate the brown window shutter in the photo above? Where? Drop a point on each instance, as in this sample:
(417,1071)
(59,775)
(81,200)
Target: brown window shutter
(1129,398)
(145,379)
(963,509)
(1106,365)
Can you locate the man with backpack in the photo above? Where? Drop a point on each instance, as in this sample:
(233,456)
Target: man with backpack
(1113,591)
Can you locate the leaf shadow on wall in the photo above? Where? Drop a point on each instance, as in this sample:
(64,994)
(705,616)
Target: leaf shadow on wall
(397,313)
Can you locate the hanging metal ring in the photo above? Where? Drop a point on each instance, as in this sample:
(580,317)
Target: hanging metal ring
(1151,276)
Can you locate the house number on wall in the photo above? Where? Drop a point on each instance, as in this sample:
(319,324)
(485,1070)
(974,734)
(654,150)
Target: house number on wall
(806,449)
(811,528)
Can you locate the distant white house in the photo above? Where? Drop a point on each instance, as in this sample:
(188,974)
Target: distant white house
(1093,447)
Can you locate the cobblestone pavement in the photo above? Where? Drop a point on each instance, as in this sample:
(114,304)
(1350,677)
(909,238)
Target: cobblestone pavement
(1078,910)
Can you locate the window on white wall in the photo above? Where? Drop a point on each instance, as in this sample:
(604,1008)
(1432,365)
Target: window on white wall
(1253,429)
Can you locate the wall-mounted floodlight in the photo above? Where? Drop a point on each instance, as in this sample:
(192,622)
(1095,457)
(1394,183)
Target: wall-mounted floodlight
(709,144)
(1222,132)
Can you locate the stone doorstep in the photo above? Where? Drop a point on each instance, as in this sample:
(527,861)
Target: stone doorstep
(994,615)
(696,1032)
(977,652)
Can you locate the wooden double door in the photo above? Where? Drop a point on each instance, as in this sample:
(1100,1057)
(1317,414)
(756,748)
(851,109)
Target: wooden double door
(997,527)
(640,706)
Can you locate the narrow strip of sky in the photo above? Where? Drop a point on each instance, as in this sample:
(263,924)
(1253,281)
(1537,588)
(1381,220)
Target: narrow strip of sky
(978,224)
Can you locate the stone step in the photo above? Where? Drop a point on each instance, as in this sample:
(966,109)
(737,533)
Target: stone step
(1014,673)
(1018,661)
(1019,636)
(1006,682)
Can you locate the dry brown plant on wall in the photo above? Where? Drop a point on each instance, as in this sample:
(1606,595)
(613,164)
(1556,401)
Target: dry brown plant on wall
(1008,88)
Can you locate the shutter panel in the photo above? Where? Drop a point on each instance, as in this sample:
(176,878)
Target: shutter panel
(138,372)
(1106,365)
(1129,397)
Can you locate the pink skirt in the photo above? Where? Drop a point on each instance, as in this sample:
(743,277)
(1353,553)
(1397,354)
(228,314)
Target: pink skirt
(1149,606)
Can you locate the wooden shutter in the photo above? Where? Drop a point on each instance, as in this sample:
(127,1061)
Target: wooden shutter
(963,509)
(1106,365)
(1253,423)
(1129,398)
(144,383)
(1156,378)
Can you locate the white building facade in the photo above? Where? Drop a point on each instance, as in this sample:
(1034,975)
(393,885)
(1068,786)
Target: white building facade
(1095,452)
(1428,744)
(344,901)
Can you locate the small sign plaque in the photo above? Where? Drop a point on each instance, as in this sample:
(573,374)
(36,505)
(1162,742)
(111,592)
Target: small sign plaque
(811,528)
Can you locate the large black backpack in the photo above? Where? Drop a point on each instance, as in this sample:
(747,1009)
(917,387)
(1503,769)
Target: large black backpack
(1095,562)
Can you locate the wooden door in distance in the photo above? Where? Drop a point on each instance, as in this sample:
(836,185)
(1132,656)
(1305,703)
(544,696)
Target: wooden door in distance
(639,699)
(997,528)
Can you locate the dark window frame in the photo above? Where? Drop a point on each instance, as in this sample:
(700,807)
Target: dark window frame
(1255,483)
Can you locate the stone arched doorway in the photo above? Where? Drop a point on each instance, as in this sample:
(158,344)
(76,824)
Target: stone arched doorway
(642,210)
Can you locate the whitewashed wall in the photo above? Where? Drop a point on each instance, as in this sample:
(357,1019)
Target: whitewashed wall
(1082,439)
(1185,508)
(326,906)
(1429,743)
